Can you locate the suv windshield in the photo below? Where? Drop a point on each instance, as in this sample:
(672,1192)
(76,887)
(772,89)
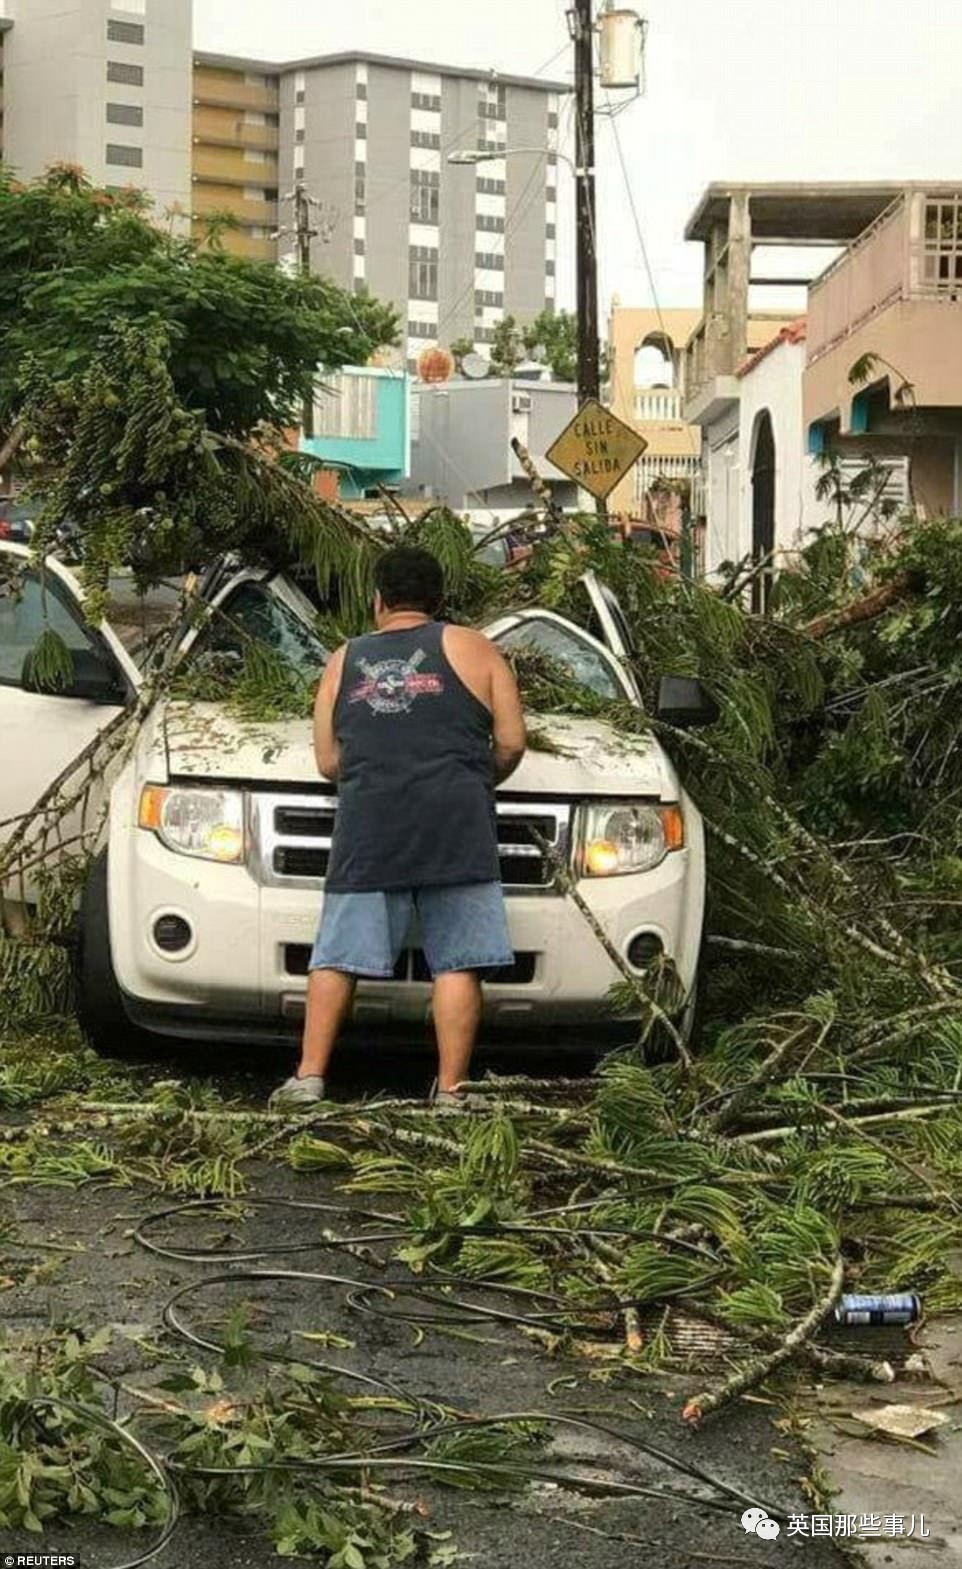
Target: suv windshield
(254,611)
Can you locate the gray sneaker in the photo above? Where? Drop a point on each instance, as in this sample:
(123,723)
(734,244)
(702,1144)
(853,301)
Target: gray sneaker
(298,1094)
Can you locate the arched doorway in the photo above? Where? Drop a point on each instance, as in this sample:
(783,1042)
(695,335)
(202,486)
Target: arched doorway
(763,513)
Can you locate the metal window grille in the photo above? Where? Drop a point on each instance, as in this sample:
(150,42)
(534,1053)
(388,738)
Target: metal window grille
(120,71)
(130,157)
(125,114)
(125,32)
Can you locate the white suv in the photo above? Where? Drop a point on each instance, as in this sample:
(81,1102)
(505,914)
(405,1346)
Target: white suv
(200,912)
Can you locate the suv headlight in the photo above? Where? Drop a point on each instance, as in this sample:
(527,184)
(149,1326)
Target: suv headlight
(194,821)
(615,837)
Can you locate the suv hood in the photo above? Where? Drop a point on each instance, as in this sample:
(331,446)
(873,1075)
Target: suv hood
(206,741)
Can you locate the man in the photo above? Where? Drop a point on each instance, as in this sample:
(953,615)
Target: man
(417,722)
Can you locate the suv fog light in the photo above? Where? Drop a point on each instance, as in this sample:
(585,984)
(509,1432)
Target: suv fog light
(172,933)
(643,949)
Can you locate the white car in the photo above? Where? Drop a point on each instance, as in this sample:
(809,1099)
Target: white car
(201,908)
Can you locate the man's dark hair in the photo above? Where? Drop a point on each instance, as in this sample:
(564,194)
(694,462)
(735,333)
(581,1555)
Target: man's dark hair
(409,578)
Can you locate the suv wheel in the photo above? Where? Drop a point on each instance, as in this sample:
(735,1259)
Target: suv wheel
(100,1005)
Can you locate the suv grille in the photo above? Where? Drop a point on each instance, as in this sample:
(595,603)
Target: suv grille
(293,834)
(413,966)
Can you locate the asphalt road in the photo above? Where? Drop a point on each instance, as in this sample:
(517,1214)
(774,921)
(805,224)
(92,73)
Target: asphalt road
(108,1279)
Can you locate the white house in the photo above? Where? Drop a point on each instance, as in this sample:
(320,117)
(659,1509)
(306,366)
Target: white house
(759,479)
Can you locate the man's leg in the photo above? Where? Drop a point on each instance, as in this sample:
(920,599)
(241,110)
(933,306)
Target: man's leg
(465,934)
(457,1015)
(329,997)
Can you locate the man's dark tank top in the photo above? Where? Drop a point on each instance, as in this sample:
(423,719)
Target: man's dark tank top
(416,781)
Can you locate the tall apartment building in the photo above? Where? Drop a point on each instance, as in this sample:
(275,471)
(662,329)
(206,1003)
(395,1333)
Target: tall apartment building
(114,85)
(102,84)
(453,247)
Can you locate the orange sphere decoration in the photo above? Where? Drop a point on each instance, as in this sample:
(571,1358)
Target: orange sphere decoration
(435,364)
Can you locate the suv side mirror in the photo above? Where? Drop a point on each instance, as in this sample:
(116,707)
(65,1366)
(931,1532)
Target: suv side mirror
(685,703)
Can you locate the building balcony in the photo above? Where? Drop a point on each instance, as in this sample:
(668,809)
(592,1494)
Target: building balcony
(240,243)
(895,294)
(211,200)
(229,166)
(231,91)
(228,128)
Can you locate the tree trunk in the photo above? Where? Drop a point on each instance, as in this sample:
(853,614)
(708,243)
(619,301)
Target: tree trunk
(864,609)
(12,443)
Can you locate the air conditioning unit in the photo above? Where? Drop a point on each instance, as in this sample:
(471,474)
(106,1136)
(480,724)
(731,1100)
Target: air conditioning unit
(521,403)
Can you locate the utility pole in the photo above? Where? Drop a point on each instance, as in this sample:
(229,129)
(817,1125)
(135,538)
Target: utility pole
(305,234)
(581,28)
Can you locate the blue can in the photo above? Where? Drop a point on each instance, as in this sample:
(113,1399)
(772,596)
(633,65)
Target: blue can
(895,1308)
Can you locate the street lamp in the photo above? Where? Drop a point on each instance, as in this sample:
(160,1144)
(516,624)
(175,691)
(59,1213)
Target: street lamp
(474,155)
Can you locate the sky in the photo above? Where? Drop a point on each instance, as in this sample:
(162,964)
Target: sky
(743,90)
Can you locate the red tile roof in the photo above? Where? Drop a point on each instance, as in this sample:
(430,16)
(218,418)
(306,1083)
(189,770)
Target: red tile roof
(795,332)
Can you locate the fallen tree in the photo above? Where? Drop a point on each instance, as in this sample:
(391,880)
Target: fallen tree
(807,1140)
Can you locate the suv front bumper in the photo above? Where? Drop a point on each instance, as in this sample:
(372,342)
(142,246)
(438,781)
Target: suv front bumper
(242,972)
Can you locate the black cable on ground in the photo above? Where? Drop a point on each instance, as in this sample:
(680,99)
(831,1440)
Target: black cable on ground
(430,1420)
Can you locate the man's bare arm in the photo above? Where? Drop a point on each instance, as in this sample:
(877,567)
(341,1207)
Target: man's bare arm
(510,738)
(326,748)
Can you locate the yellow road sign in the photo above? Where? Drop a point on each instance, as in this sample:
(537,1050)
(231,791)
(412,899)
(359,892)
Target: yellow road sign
(596,449)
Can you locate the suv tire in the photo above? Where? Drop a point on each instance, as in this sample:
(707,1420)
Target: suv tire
(100,1005)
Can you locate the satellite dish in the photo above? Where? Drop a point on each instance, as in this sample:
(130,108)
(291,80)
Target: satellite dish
(475,367)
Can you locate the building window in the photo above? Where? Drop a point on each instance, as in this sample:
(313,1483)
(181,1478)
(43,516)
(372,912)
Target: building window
(426,101)
(549,269)
(488,297)
(299,135)
(489,261)
(131,157)
(125,114)
(300,96)
(550,231)
(942,253)
(422,273)
(347,408)
(425,139)
(423,329)
(359,247)
(125,32)
(359,197)
(490,222)
(490,187)
(487,145)
(552,119)
(425,195)
(360,131)
(360,92)
(120,71)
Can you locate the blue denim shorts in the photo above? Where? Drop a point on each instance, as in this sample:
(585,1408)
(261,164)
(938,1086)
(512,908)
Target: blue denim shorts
(461,928)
